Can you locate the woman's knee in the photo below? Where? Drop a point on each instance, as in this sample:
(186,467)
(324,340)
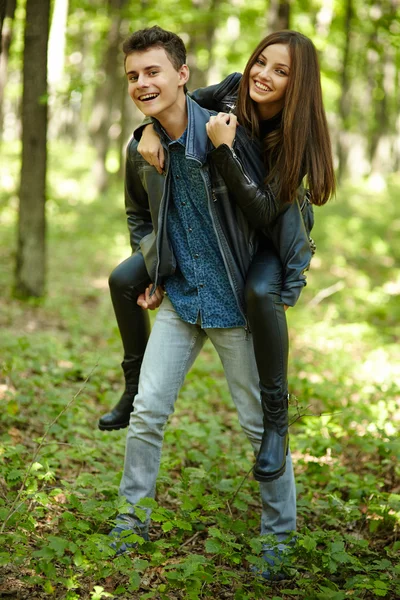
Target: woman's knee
(260,294)
(131,273)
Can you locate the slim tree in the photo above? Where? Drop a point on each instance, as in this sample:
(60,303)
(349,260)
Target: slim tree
(2,15)
(7,29)
(30,266)
(278,15)
(345,97)
(105,96)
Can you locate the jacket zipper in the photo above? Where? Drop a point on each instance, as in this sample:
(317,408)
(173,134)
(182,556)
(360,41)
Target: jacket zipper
(236,158)
(246,326)
(159,237)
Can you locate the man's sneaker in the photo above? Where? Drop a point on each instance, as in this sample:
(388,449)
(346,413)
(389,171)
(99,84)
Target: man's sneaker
(126,539)
(274,557)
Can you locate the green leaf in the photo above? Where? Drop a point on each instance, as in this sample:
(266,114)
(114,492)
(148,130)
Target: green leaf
(5,558)
(134,581)
(337,546)
(58,544)
(394,502)
(78,559)
(140,564)
(213,546)
(380,588)
(36,467)
(308,543)
(181,524)
(15,474)
(46,552)
(98,593)
(167,526)
(141,514)
(48,588)
(147,503)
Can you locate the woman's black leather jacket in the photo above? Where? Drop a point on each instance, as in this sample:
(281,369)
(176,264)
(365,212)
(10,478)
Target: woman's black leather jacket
(291,227)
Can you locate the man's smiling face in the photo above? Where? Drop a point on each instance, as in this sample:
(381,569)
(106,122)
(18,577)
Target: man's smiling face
(154,84)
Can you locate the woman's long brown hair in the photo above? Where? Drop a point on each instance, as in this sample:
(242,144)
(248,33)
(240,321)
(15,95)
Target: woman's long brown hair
(301,146)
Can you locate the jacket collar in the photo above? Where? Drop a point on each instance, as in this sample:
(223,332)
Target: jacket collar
(198,143)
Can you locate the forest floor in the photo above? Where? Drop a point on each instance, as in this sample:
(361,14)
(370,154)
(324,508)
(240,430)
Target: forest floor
(60,366)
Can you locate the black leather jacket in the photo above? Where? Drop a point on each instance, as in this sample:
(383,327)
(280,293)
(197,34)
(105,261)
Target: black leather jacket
(290,230)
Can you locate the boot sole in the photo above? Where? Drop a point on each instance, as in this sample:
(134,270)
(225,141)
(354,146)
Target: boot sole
(112,427)
(271,477)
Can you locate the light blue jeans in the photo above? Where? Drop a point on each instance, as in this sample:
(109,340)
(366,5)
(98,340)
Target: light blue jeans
(171,350)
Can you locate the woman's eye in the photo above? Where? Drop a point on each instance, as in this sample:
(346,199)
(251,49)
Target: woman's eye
(281,72)
(260,62)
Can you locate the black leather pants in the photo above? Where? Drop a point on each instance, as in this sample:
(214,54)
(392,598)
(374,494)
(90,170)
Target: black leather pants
(264,308)
(267,319)
(127,282)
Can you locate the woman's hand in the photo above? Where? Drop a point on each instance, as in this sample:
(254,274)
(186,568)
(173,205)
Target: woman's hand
(151,149)
(153,302)
(221,129)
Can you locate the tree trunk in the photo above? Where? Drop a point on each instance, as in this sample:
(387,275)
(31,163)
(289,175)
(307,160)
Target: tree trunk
(345,99)
(6,36)
(278,15)
(2,16)
(383,73)
(106,98)
(30,267)
(380,115)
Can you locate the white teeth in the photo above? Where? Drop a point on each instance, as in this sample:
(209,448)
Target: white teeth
(148,96)
(265,88)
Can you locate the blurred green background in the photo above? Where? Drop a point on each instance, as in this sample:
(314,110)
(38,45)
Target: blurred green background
(344,365)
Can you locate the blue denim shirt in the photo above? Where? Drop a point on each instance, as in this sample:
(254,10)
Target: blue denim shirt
(200,286)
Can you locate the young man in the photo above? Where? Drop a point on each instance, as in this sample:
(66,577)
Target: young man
(196,243)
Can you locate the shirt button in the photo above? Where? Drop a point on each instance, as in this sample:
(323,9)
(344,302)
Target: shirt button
(183,203)
(177,176)
(196,256)
(201,285)
(190,230)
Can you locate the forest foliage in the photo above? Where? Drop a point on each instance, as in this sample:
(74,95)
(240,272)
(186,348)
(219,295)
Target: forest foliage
(60,354)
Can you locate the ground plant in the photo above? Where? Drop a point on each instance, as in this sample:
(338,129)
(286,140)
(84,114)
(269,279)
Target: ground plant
(59,475)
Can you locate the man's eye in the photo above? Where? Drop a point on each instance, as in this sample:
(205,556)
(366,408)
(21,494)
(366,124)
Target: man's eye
(132,78)
(153,72)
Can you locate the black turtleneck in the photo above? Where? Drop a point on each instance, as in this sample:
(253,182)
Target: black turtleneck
(269,125)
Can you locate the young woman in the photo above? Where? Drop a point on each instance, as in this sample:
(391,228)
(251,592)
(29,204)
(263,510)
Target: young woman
(279,101)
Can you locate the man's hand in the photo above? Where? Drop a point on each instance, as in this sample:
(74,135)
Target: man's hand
(151,149)
(152,303)
(221,129)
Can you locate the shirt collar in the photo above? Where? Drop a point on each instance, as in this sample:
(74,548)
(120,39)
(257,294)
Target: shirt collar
(196,141)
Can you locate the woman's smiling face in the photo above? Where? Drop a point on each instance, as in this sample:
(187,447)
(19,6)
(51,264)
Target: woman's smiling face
(269,77)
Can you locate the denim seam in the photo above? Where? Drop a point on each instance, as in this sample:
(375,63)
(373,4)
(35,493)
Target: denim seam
(185,362)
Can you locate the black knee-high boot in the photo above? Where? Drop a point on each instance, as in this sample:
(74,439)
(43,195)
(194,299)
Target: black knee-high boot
(271,458)
(127,281)
(119,416)
(267,319)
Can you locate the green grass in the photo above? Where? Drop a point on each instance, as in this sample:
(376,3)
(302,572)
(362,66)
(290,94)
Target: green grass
(344,375)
